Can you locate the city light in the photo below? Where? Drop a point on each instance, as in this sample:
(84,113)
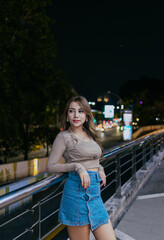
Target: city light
(118,128)
(92,103)
(109,111)
(106,99)
(99,99)
(127,129)
(35,169)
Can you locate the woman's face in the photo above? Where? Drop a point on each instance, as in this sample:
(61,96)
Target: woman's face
(76,115)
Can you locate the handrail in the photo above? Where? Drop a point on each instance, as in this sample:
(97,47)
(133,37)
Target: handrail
(33,188)
(132,144)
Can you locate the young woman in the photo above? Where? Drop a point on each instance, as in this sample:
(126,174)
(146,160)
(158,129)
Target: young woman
(81,207)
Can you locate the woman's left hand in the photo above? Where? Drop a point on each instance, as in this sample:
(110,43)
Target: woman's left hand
(103,178)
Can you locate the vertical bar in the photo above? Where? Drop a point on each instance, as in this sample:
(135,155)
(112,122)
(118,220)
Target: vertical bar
(39,205)
(118,177)
(151,150)
(134,178)
(144,157)
(162,140)
(156,146)
(161,143)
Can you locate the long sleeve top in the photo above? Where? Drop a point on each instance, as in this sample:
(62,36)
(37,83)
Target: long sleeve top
(79,155)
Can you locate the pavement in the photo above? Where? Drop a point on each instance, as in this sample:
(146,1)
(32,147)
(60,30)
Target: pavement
(144,220)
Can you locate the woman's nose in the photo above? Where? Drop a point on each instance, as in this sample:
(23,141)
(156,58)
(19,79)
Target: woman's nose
(76,113)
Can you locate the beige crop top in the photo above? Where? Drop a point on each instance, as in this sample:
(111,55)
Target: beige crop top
(78,154)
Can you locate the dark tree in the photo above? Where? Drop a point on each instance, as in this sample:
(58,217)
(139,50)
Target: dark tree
(32,90)
(145,97)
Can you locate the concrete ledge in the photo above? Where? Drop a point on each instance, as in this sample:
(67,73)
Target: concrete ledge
(122,236)
(146,129)
(116,207)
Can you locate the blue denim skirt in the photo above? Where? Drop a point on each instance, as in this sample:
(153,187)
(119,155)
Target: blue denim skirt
(81,206)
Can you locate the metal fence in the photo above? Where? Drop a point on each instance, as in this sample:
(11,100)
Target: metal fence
(39,219)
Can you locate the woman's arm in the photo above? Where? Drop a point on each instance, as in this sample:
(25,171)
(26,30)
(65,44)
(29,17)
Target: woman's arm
(101,167)
(102,175)
(53,165)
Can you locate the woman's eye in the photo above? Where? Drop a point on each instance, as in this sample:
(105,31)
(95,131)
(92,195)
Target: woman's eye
(80,111)
(71,111)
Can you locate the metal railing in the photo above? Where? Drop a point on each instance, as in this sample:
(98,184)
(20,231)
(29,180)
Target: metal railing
(41,217)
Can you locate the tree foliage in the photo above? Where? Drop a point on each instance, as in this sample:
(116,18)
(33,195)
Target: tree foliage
(32,89)
(145,97)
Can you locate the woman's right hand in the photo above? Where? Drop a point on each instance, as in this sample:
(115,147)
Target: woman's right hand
(85,179)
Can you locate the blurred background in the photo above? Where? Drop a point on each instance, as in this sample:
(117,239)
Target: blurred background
(110,52)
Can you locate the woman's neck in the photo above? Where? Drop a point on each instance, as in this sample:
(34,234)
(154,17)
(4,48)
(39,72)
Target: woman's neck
(76,130)
(81,133)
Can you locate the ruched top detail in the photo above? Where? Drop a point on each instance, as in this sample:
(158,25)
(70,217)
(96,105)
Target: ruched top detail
(78,154)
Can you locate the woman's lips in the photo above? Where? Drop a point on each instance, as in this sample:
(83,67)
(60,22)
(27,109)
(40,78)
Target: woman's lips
(76,121)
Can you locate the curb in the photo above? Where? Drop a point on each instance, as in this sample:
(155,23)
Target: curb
(122,236)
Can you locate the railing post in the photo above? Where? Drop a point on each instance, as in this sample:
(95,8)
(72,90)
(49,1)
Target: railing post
(39,205)
(134,178)
(118,176)
(156,146)
(151,151)
(144,157)
(161,147)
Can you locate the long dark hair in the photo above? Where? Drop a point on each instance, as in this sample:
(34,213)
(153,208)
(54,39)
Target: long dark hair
(89,125)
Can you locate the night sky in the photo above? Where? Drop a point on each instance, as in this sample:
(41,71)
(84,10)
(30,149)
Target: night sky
(102,44)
